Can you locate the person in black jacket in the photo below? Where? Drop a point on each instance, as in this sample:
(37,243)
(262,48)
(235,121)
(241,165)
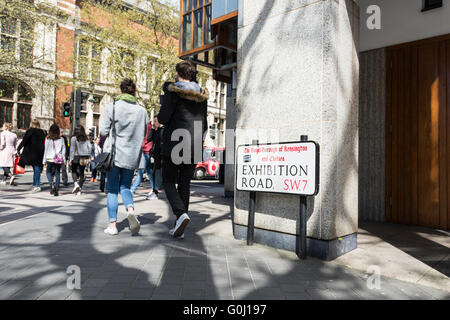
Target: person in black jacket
(65,178)
(155,136)
(183,114)
(33,152)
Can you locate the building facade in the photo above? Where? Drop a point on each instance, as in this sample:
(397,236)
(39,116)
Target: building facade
(61,55)
(368,80)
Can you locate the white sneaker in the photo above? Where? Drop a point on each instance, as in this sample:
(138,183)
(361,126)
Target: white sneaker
(172,231)
(2,182)
(134,224)
(79,193)
(180,225)
(111,231)
(76,188)
(36,189)
(11,181)
(152,196)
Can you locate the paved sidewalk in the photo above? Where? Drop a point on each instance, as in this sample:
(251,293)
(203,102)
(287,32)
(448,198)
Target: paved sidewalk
(41,236)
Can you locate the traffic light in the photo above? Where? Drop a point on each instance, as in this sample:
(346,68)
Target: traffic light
(66,108)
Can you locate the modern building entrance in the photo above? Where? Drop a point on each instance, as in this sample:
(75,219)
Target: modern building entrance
(417,133)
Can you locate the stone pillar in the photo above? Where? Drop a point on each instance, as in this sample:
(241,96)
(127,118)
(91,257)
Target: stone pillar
(298,74)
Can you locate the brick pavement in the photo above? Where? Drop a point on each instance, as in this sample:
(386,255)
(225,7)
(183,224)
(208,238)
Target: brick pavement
(41,236)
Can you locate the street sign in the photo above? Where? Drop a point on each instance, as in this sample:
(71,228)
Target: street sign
(290,168)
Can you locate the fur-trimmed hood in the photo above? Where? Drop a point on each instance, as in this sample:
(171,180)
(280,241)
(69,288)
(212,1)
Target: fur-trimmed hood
(189,94)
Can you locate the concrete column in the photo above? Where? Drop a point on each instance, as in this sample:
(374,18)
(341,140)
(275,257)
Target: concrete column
(298,73)
(230,126)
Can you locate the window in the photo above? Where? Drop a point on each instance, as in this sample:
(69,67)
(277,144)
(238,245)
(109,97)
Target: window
(198,30)
(15,99)
(84,112)
(431,4)
(196,27)
(220,94)
(89,61)
(16,38)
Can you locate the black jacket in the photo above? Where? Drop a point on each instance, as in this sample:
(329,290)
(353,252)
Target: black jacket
(155,136)
(181,109)
(33,148)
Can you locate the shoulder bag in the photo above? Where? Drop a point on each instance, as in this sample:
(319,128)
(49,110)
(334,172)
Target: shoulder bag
(104,162)
(56,158)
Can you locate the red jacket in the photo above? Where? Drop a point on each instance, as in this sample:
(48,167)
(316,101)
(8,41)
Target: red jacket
(147,146)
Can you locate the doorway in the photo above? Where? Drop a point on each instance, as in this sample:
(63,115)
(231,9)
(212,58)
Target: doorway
(417,134)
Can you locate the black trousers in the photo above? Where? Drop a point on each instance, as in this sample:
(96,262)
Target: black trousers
(6,173)
(172,174)
(78,172)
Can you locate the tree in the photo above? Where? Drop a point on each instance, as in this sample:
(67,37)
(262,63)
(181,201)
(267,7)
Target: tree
(20,21)
(115,41)
(139,42)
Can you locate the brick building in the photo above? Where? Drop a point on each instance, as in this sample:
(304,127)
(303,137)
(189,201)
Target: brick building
(60,53)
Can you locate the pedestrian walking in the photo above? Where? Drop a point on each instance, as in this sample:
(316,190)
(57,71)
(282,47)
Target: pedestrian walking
(31,151)
(96,150)
(124,122)
(80,150)
(8,144)
(146,148)
(102,174)
(155,136)
(64,177)
(54,156)
(184,107)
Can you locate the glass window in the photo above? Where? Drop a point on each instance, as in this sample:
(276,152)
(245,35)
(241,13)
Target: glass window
(23,116)
(96,120)
(6,109)
(8,25)
(24,94)
(208,39)
(8,43)
(187,29)
(6,89)
(26,30)
(198,28)
(83,119)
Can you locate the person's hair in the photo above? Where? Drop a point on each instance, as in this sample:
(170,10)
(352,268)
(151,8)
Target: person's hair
(186,70)
(53,132)
(79,133)
(35,124)
(128,86)
(8,125)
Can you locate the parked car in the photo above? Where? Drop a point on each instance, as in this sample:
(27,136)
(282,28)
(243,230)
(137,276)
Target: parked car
(210,165)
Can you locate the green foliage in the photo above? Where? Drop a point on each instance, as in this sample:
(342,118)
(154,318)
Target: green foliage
(139,42)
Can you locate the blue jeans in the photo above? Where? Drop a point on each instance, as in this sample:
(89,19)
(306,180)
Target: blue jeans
(148,169)
(158,179)
(119,180)
(37,170)
(53,171)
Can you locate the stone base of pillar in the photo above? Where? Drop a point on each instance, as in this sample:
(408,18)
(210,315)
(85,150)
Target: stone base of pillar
(326,250)
(229,194)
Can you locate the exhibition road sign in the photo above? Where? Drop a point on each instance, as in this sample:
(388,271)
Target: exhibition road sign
(291,167)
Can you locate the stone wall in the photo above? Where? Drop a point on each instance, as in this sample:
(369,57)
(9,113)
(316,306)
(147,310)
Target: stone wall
(298,73)
(372,143)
